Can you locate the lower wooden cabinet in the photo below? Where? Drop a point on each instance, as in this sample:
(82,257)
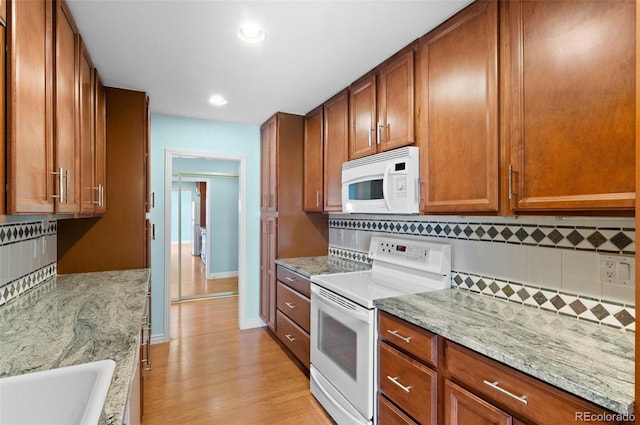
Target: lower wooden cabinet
(410,384)
(462,407)
(389,414)
(293,315)
(466,386)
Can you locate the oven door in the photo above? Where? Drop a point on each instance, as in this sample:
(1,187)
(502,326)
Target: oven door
(342,347)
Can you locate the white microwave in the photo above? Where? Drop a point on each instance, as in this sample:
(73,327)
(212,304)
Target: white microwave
(384,183)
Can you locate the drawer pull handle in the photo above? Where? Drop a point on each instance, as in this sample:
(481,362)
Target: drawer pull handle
(291,306)
(395,381)
(406,339)
(290,279)
(290,338)
(495,386)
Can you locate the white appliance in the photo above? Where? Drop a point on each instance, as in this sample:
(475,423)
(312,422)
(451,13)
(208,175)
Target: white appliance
(384,183)
(344,325)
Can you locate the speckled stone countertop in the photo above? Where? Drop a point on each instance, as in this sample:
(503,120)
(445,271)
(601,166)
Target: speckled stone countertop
(78,318)
(308,266)
(591,361)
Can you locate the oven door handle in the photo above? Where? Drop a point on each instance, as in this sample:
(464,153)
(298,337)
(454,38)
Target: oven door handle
(359,313)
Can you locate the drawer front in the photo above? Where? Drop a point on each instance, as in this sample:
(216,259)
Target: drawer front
(294,280)
(294,338)
(409,337)
(294,305)
(463,408)
(409,384)
(389,414)
(515,392)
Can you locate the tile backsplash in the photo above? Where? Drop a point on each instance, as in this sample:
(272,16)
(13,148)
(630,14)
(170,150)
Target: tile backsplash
(28,255)
(557,257)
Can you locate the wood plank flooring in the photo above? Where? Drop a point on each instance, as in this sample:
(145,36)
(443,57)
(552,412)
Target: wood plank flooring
(194,279)
(213,373)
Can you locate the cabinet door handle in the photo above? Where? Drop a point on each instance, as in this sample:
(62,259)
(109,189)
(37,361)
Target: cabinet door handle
(395,381)
(317,198)
(290,279)
(522,399)
(395,333)
(380,127)
(511,192)
(291,306)
(290,338)
(371,130)
(60,174)
(153,231)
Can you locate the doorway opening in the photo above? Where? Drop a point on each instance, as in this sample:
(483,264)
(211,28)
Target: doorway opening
(204,235)
(222,181)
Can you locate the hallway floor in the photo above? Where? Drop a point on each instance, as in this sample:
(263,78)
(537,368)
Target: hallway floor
(213,373)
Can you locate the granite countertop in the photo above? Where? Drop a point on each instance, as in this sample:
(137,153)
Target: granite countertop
(78,318)
(309,266)
(586,359)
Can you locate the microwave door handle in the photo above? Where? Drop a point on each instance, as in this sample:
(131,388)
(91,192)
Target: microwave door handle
(385,184)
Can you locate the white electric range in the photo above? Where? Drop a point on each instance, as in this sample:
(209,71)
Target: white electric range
(344,320)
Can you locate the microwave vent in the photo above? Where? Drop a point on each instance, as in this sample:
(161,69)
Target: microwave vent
(400,153)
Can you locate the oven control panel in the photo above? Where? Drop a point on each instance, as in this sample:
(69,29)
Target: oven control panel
(419,254)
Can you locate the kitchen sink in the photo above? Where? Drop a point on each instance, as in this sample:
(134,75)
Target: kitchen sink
(62,396)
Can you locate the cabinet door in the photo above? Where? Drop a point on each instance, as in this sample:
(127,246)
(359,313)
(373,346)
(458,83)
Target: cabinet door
(87,155)
(362,118)
(268,135)
(30,107)
(457,122)
(66,140)
(396,103)
(313,199)
(571,100)
(336,149)
(3,139)
(463,408)
(268,246)
(100,147)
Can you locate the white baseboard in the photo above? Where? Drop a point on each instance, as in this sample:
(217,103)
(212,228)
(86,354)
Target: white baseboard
(222,275)
(159,339)
(252,324)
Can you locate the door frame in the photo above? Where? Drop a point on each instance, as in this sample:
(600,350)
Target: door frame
(243,322)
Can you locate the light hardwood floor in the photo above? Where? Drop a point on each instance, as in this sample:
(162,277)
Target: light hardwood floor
(194,280)
(213,373)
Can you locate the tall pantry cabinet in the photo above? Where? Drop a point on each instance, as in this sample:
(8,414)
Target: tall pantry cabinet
(286,230)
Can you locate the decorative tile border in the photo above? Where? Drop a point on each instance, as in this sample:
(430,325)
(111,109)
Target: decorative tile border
(11,233)
(26,283)
(599,311)
(612,240)
(349,254)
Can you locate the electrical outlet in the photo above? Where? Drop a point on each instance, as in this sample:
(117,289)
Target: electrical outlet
(616,269)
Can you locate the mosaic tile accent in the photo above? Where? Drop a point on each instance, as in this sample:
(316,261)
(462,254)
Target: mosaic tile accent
(26,283)
(11,233)
(608,313)
(349,254)
(612,240)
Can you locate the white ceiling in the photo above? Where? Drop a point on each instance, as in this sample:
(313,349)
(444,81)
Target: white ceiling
(183,51)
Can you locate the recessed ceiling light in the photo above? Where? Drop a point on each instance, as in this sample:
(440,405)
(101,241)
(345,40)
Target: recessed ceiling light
(217,100)
(251,33)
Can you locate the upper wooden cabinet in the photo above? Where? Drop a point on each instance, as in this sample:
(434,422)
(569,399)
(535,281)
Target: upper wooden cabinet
(51,112)
(87,135)
(381,106)
(313,191)
(30,107)
(100,147)
(570,105)
(336,145)
(457,112)
(66,139)
(268,145)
